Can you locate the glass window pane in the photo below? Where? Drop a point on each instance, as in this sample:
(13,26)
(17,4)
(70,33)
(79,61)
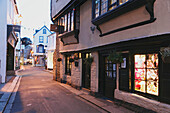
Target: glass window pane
(122,1)
(97,4)
(152,87)
(113,4)
(152,61)
(68,21)
(114,67)
(65,23)
(140,61)
(140,85)
(140,74)
(104,6)
(72,20)
(152,74)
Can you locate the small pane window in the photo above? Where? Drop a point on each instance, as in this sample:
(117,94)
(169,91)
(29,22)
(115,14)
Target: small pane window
(97,6)
(146,73)
(41,49)
(41,39)
(104,6)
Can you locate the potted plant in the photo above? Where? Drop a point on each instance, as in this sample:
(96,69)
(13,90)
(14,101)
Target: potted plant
(59,59)
(115,57)
(71,60)
(165,54)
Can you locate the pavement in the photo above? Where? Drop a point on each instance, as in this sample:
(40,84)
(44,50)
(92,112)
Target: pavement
(8,92)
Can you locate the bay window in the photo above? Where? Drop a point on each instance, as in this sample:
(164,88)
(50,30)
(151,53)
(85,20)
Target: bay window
(103,6)
(67,21)
(146,73)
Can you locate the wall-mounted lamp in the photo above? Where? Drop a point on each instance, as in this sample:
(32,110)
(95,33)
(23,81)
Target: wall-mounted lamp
(92,29)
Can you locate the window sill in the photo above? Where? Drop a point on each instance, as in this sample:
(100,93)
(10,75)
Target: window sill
(122,9)
(66,34)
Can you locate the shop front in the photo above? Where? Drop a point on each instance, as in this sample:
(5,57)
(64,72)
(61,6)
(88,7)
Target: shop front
(141,76)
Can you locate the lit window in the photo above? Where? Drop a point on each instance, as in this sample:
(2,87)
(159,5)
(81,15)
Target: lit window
(65,23)
(68,65)
(97,6)
(72,20)
(103,6)
(146,73)
(68,21)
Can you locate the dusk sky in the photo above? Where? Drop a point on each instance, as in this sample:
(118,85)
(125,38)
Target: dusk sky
(35,13)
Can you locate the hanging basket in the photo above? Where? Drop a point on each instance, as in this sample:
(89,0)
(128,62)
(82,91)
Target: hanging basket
(71,60)
(59,59)
(115,57)
(165,54)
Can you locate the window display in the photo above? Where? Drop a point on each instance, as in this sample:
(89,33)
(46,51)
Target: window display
(146,73)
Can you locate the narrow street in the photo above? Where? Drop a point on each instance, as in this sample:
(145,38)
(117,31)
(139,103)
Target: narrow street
(38,93)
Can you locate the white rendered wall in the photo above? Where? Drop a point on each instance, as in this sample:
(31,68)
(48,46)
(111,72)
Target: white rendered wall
(36,39)
(3,38)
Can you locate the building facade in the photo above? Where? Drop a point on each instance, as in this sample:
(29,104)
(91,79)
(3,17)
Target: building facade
(51,46)
(116,48)
(9,27)
(40,41)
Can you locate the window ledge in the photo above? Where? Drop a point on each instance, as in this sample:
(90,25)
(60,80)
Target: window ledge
(124,8)
(66,34)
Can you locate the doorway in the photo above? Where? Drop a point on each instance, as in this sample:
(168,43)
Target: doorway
(86,71)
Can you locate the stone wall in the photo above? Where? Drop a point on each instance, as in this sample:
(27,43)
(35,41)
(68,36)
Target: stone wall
(142,101)
(56,64)
(76,74)
(94,72)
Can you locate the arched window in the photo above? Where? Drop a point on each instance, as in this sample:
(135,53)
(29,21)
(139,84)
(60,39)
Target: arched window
(44,31)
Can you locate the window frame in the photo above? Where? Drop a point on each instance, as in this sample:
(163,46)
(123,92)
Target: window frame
(68,21)
(133,78)
(41,40)
(108,6)
(67,65)
(44,31)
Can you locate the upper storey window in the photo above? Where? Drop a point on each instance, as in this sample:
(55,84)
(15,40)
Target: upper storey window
(103,6)
(44,31)
(67,21)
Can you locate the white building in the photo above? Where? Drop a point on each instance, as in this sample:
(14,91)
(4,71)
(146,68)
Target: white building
(40,41)
(50,50)
(8,28)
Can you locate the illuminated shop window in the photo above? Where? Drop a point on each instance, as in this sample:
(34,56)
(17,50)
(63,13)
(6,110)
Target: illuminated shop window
(146,73)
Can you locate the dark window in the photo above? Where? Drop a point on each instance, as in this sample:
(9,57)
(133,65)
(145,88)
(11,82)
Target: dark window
(44,31)
(103,6)
(146,77)
(41,39)
(67,65)
(110,69)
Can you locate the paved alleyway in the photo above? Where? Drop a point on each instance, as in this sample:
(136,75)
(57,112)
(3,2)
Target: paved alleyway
(38,93)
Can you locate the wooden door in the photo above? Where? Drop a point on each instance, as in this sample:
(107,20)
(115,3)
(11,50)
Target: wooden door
(86,72)
(110,79)
(124,73)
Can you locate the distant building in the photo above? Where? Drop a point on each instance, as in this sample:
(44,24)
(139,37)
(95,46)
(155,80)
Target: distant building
(40,41)
(50,50)
(9,34)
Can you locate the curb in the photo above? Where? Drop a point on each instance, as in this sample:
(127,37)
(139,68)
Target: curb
(6,96)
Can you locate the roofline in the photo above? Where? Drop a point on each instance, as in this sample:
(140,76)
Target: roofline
(65,8)
(41,29)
